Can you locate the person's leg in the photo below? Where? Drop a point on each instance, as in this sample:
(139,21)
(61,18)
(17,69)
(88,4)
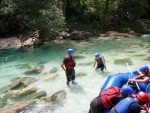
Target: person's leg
(68,75)
(73,76)
(97,67)
(101,66)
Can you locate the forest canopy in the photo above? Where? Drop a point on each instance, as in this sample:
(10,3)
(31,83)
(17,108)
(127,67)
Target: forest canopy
(20,16)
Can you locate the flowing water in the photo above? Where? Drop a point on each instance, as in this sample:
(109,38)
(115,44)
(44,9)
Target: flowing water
(136,51)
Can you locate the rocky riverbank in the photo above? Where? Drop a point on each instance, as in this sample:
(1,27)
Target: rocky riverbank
(32,40)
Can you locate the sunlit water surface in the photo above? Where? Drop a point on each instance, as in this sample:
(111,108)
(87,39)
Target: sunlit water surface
(15,62)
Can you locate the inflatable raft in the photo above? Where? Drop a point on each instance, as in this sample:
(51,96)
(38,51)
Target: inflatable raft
(120,79)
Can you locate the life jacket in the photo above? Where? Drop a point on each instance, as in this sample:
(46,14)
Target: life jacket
(99,60)
(107,95)
(123,105)
(70,63)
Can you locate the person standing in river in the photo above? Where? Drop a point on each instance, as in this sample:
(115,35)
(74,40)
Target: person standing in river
(100,60)
(68,66)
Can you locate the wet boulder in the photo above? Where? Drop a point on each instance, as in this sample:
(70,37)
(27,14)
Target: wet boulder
(56,97)
(148,58)
(20,93)
(79,35)
(51,77)
(53,70)
(36,95)
(18,83)
(123,61)
(78,56)
(81,74)
(23,66)
(35,70)
(16,108)
(86,64)
(3,102)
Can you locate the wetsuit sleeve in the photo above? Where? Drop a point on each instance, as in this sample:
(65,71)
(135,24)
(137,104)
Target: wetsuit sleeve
(134,108)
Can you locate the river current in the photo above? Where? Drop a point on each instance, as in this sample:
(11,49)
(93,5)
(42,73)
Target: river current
(14,63)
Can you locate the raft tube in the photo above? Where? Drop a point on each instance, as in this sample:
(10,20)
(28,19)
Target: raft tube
(118,80)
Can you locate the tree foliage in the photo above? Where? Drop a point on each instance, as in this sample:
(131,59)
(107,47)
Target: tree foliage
(22,15)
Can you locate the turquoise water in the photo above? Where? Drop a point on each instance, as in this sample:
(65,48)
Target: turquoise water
(14,63)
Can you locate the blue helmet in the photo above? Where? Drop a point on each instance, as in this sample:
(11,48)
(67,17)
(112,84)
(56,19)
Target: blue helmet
(97,54)
(70,50)
(127,89)
(144,67)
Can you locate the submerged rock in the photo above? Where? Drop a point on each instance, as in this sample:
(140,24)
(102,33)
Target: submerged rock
(18,83)
(35,70)
(57,97)
(53,70)
(78,56)
(16,108)
(23,66)
(47,104)
(123,61)
(148,58)
(3,102)
(36,95)
(86,64)
(81,74)
(20,93)
(51,77)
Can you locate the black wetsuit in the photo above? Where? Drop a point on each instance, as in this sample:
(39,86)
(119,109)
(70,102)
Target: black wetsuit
(100,63)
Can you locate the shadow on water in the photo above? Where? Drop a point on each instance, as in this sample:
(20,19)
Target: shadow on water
(76,88)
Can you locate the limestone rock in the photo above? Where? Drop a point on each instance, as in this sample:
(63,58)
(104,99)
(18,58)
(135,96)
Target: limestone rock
(57,97)
(53,70)
(15,108)
(123,61)
(18,93)
(35,70)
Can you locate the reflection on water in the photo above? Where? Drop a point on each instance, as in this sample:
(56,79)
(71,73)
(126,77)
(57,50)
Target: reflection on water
(14,63)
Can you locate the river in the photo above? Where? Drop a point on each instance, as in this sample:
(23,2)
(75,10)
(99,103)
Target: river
(136,51)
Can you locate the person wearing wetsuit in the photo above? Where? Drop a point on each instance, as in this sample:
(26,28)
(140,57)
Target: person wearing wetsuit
(100,62)
(132,105)
(143,75)
(109,98)
(68,66)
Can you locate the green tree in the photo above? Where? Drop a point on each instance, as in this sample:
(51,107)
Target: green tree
(22,15)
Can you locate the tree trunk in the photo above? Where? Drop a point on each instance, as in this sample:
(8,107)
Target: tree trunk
(64,7)
(105,13)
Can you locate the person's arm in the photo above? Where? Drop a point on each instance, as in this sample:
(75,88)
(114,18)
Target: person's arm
(94,62)
(63,66)
(139,76)
(136,78)
(144,109)
(141,80)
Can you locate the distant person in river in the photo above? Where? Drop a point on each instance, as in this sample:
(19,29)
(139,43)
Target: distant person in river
(109,98)
(68,66)
(132,105)
(100,61)
(143,75)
